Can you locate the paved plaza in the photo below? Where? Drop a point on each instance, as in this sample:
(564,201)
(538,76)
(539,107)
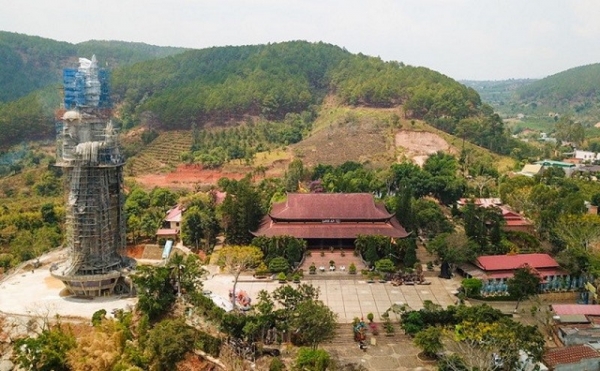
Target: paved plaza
(349,297)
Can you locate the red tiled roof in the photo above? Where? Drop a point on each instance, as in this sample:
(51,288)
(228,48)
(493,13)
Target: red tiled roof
(329,206)
(174,215)
(567,309)
(166,232)
(329,230)
(506,262)
(333,215)
(568,355)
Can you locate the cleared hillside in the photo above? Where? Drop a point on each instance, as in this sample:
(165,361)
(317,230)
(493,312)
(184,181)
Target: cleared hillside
(376,137)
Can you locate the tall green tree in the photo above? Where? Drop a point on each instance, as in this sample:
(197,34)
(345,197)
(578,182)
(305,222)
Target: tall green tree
(156,292)
(524,284)
(241,212)
(313,323)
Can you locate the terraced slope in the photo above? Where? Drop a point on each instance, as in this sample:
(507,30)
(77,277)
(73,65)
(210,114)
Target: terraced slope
(162,155)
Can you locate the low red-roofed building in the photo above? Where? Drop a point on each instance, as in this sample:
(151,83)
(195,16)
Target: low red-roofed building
(496,270)
(330,219)
(573,358)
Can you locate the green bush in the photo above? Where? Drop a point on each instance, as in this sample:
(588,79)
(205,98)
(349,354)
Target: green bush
(208,344)
(277,365)
(472,286)
(385,265)
(313,359)
(279,264)
(281,277)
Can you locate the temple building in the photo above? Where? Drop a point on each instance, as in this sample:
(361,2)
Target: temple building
(330,219)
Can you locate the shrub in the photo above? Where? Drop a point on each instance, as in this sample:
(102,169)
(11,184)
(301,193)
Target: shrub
(281,277)
(352,268)
(208,343)
(277,365)
(279,264)
(370,317)
(296,277)
(262,269)
(313,359)
(472,286)
(385,265)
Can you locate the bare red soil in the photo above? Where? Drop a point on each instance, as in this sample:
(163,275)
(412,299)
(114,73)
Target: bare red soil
(135,252)
(186,177)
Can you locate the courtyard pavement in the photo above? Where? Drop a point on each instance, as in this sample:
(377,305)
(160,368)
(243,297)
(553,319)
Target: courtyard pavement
(351,296)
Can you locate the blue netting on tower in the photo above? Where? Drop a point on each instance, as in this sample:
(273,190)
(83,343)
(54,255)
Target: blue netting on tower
(104,77)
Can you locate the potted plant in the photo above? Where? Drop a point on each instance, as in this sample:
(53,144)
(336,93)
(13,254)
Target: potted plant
(312,269)
(296,278)
(352,268)
(322,253)
(261,271)
(388,326)
(342,252)
(374,328)
(430,265)
(370,317)
(281,277)
(331,263)
(371,276)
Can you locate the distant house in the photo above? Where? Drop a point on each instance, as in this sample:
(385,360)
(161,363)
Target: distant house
(496,270)
(171,225)
(513,220)
(573,358)
(531,170)
(577,323)
(586,156)
(330,219)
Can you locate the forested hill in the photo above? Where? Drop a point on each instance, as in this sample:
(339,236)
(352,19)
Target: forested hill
(227,85)
(576,90)
(30,62)
(220,84)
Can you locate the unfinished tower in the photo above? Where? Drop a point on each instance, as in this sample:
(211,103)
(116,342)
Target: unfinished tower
(88,152)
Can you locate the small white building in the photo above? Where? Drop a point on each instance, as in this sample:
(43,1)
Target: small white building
(587,156)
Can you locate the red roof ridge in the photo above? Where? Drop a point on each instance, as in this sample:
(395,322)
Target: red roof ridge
(507,262)
(323,206)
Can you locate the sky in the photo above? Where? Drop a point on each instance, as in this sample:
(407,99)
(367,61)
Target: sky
(463,39)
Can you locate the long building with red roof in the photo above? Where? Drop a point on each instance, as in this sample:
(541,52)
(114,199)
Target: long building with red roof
(330,219)
(495,270)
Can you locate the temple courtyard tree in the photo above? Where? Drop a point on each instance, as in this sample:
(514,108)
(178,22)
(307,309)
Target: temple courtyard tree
(238,259)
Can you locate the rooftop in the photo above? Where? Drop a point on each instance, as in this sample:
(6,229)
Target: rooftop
(508,262)
(174,214)
(567,355)
(329,206)
(569,309)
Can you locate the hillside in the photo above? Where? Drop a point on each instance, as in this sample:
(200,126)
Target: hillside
(497,93)
(574,91)
(274,95)
(375,137)
(30,62)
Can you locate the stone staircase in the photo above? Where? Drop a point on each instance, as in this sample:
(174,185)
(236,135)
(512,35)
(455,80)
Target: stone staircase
(344,336)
